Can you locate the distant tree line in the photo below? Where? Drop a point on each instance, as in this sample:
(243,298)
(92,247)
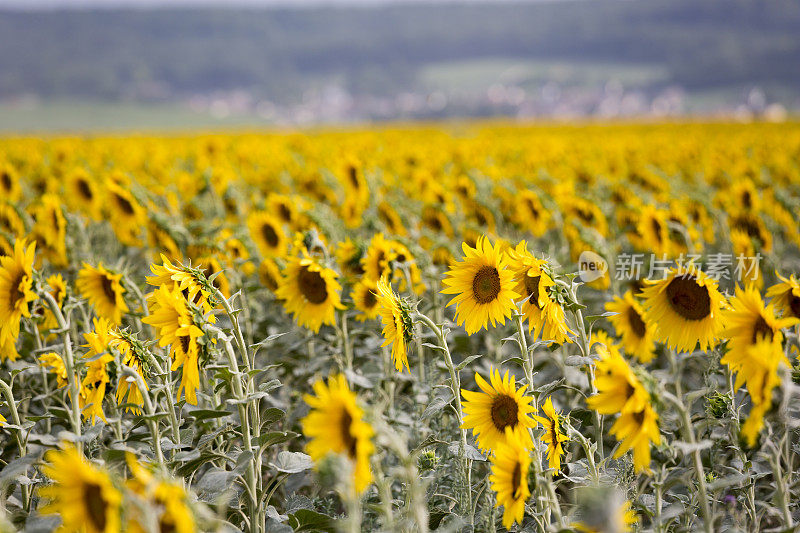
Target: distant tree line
(276,52)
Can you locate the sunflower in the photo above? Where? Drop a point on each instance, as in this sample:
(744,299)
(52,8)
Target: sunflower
(58,290)
(758,369)
(398,329)
(184,279)
(637,335)
(95,384)
(127,215)
(8,349)
(365,299)
(283,207)
(269,274)
(55,364)
(375,262)
(169,499)
(9,183)
(16,289)
(746,322)
(620,391)
(348,257)
(388,215)
(103,288)
(553,435)
(10,221)
(501,405)
(530,214)
(210,265)
(510,465)
(684,308)
(533,282)
(171,315)
(786,296)
(483,285)
(336,425)
(50,228)
(81,191)
(652,231)
(267,232)
(310,292)
(81,494)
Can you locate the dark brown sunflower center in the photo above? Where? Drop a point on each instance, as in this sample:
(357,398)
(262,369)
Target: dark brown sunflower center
(95,506)
(636,322)
(185,343)
(270,235)
(6,179)
(747,200)
(554,433)
(532,289)
(85,190)
(285,213)
(352,173)
(312,286)
(534,212)
(516,478)
(639,418)
(761,330)
(15,292)
(750,226)
(689,299)
(656,228)
(504,412)
(108,288)
(486,284)
(124,204)
(794,305)
(370,300)
(347,436)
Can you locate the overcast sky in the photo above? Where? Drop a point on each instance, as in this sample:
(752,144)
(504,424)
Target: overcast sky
(51,4)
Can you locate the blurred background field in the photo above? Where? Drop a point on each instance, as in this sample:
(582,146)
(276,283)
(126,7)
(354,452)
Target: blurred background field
(138,64)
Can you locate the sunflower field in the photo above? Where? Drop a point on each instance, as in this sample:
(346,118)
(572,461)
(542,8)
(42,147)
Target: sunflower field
(464,327)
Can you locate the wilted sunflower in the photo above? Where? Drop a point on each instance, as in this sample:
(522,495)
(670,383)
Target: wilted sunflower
(365,299)
(501,405)
(620,391)
(171,315)
(684,308)
(637,335)
(398,329)
(55,364)
(553,436)
(483,285)
(336,425)
(511,462)
(267,232)
(786,296)
(16,289)
(532,282)
(168,497)
(104,291)
(310,292)
(81,494)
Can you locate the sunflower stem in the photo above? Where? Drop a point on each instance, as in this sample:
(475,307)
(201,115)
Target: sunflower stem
(69,363)
(700,474)
(455,387)
(239,393)
(128,372)
(347,349)
(527,359)
(585,347)
(23,449)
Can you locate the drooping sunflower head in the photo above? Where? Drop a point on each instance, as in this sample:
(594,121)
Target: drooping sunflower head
(55,364)
(530,214)
(82,494)
(125,211)
(510,465)
(310,292)
(554,435)
(636,430)
(684,308)
(103,288)
(501,405)
(267,232)
(165,496)
(637,335)
(483,286)
(336,425)
(618,388)
(83,192)
(786,296)
(16,288)
(269,274)
(398,327)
